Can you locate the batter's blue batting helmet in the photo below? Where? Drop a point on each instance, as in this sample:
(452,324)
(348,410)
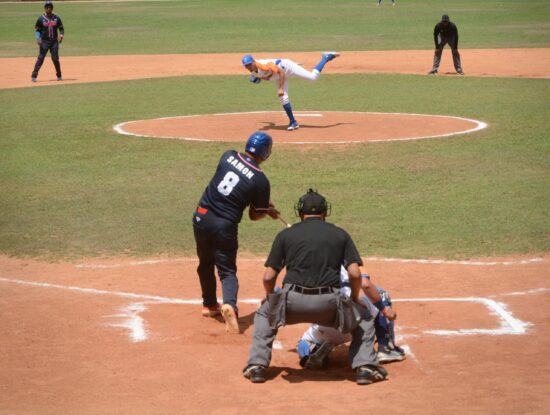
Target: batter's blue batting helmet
(259,144)
(247,60)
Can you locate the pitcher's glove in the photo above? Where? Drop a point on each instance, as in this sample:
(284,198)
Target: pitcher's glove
(254,79)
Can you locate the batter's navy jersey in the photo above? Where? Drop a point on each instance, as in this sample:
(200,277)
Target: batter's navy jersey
(237,183)
(48,26)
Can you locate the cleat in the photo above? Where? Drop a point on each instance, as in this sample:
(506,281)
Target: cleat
(293,126)
(319,356)
(386,355)
(256,373)
(433,72)
(368,374)
(59,78)
(211,311)
(231,319)
(330,55)
(399,350)
(33,79)
(460,72)
(303,350)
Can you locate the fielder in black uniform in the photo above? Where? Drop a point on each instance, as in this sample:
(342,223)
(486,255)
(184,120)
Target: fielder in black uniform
(238,182)
(313,252)
(46,29)
(446,32)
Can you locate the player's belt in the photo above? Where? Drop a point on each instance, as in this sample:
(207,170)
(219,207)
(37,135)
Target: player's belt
(202,211)
(313,291)
(278,61)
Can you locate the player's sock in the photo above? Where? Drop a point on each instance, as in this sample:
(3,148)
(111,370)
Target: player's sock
(321,64)
(288,110)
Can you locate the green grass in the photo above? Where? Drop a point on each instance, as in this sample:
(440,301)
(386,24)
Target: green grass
(202,26)
(72,187)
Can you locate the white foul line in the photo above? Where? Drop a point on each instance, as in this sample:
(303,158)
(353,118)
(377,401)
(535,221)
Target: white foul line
(508,323)
(458,262)
(400,260)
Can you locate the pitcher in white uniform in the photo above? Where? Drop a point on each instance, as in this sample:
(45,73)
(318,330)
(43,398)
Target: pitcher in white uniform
(280,70)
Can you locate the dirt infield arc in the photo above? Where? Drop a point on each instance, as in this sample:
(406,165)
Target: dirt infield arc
(316,127)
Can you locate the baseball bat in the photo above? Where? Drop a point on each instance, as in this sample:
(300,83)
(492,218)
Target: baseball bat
(288,225)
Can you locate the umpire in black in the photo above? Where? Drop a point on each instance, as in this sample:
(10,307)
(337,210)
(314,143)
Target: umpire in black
(446,32)
(312,252)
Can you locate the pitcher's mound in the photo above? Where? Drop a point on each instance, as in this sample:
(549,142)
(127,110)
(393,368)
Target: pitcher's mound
(323,127)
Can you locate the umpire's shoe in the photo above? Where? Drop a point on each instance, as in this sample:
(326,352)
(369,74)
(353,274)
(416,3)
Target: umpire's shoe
(368,374)
(256,373)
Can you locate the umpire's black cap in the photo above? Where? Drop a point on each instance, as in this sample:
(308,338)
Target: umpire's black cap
(445,18)
(312,203)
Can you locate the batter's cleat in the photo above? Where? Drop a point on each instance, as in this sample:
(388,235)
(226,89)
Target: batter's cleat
(59,78)
(387,355)
(368,374)
(293,126)
(231,319)
(212,311)
(33,79)
(330,55)
(433,72)
(256,373)
(319,356)
(460,72)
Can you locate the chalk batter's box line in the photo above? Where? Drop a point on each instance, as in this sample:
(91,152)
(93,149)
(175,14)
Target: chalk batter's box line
(509,325)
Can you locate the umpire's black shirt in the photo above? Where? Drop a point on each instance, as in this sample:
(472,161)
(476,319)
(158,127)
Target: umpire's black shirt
(445,32)
(313,252)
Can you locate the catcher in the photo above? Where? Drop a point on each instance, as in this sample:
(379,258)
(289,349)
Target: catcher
(318,341)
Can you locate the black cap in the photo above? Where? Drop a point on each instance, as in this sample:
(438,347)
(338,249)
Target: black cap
(312,203)
(445,18)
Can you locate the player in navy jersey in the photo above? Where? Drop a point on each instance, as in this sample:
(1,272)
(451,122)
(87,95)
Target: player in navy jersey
(237,183)
(46,29)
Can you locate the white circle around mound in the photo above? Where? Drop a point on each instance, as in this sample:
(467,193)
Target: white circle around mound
(319,127)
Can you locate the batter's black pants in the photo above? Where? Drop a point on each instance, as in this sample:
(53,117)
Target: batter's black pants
(453,43)
(217,244)
(53,47)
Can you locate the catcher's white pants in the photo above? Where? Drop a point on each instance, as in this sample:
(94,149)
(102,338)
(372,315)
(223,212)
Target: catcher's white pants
(292,69)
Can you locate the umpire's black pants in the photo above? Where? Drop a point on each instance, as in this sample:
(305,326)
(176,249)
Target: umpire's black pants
(53,47)
(217,244)
(453,44)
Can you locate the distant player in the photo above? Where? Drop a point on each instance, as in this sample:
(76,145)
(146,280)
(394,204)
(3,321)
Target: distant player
(318,341)
(238,183)
(280,70)
(46,29)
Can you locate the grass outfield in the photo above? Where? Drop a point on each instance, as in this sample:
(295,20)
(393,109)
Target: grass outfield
(202,26)
(71,187)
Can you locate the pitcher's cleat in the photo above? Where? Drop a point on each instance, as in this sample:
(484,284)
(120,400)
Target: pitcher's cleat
(330,55)
(293,126)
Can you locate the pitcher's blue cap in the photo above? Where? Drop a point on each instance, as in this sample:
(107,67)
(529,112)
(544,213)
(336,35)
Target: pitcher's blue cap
(247,60)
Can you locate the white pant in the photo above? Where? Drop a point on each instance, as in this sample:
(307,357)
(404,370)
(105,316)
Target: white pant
(292,69)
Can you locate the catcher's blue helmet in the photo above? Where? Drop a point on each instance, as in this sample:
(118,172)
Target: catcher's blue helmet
(247,60)
(259,144)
